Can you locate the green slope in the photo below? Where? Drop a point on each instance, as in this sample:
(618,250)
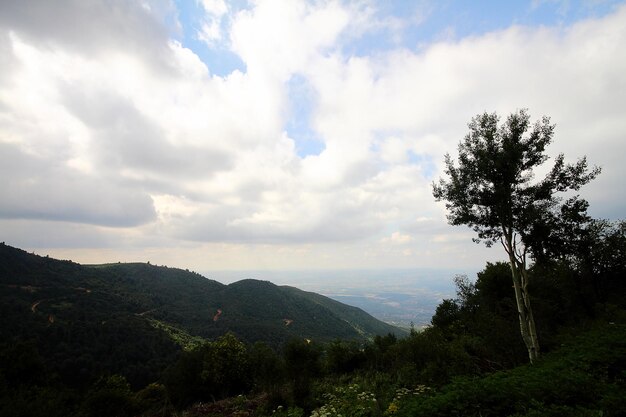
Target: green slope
(134,318)
(357,319)
(585,377)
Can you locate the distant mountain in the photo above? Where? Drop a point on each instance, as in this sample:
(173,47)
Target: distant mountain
(86,319)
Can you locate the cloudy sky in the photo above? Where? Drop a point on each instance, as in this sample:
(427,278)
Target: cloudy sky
(284,134)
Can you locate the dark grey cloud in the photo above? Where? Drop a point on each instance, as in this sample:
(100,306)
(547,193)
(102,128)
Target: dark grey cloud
(7,61)
(339,223)
(89,26)
(44,189)
(30,234)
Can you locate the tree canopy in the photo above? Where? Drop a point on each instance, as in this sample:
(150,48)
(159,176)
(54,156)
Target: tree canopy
(493,187)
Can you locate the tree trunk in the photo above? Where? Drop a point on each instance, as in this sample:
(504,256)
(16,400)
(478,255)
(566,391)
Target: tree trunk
(522,298)
(533,350)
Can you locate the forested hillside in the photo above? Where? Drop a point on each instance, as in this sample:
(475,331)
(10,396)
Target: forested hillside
(133,319)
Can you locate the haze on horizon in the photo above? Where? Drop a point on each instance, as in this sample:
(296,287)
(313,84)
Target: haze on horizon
(279,135)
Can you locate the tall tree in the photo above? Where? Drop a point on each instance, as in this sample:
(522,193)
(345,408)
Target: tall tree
(493,190)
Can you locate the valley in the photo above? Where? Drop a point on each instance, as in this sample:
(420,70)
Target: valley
(396,296)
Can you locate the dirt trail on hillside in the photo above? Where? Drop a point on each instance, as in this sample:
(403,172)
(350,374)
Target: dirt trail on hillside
(146,312)
(32,289)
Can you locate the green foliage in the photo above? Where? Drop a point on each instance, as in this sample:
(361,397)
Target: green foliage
(31,401)
(481,323)
(436,359)
(181,337)
(492,189)
(153,398)
(281,411)
(344,357)
(447,314)
(582,378)
(268,369)
(303,363)
(493,289)
(21,364)
(599,257)
(348,401)
(213,370)
(183,379)
(225,367)
(110,396)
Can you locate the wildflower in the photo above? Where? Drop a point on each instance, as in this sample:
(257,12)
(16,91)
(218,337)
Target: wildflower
(392,409)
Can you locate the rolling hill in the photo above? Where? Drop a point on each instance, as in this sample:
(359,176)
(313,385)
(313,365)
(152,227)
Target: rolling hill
(87,319)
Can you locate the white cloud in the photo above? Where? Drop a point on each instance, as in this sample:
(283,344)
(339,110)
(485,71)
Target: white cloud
(149,146)
(397,238)
(210,32)
(281,37)
(211,27)
(215,7)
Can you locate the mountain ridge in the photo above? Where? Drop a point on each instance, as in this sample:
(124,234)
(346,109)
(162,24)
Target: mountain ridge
(144,313)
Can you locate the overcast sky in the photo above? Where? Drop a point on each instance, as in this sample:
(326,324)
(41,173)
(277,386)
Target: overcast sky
(285,134)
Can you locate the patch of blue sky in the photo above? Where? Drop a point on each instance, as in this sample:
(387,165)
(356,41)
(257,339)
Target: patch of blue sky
(419,24)
(551,12)
(220,62)
(414,25)
(404,23)
(218,58)
(425,162)
(298,125)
